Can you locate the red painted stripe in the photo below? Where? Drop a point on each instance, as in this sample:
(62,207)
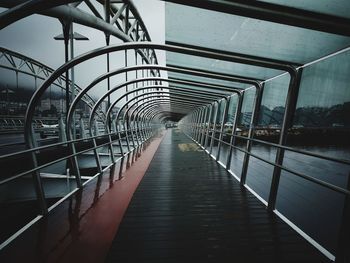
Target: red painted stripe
(101,224)
(82,228)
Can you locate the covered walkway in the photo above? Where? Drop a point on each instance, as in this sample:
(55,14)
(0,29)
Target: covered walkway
(189,208)
(256,167)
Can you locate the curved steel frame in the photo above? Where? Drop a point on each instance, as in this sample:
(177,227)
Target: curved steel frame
(207,94)
(126,46)
(123,70)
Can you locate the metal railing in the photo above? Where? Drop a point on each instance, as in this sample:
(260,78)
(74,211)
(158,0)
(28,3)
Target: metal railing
(62,153)
(208,134)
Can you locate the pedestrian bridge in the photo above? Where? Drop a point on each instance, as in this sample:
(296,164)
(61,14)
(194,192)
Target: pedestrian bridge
(234,148)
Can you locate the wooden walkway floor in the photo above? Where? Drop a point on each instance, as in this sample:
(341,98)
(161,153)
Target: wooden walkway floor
(187,208)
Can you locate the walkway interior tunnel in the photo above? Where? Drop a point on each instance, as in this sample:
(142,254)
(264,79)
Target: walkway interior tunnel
(175,131)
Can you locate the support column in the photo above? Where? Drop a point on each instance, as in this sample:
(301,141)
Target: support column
(253,123)
(234,128)
(224,117)
(203,125)
(196,120)
(208,128)
(199,136)
(214,128)
(291,102)
(71,42)
(66,29)
(38,186)
(197,124)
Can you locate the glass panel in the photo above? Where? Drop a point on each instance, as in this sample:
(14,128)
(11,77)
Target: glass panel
(210,124)
(190,87)
(271,113)
(211,81)
(215,65)
(321,125)
(251,36)
(242,130)
(219,119)
(259,173)
(313,208)
(273,104)
(222,105)
(237,161)
(205,126)
(231,115)
(228,124)
(247,109)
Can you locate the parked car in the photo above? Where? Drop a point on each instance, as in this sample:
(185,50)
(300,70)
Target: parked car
(48,130)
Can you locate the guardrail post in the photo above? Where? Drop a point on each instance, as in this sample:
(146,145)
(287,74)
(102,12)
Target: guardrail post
(97,156)
(110,145)
(193,114)
(197,120)
(200,113)
(139,136)
(224,117)
(76,165)
(234,128)
(39,191)
(194,123)
(131,125)
(203,126)
(214,128)
(127,143)
(253,123)
(291,102)
(208,127)
(204,112)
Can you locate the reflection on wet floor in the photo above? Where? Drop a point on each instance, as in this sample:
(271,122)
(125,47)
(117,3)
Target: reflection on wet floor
(82,226)
(188,147)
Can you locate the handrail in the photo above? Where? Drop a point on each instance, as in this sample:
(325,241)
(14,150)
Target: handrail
(309,178)
(329,158)
(306,177)
(60,159)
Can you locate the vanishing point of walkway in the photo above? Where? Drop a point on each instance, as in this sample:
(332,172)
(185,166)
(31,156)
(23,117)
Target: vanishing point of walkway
(187,208)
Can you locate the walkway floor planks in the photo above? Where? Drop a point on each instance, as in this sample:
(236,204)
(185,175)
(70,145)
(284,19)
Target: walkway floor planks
(187,208)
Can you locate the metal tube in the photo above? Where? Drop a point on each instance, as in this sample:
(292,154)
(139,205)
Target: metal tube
(194,122)
(214,128)
(37,95)
(152,92)
(253,123)
(199,120)
(208,127)
(99,101)
(204,125)
(290,107)
(234,128)
(222,126)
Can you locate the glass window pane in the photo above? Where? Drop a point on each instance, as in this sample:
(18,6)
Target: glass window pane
(252,36)
(215,65)
(321,125)
(247,108)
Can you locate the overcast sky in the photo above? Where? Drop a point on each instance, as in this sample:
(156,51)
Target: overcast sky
(33,37)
